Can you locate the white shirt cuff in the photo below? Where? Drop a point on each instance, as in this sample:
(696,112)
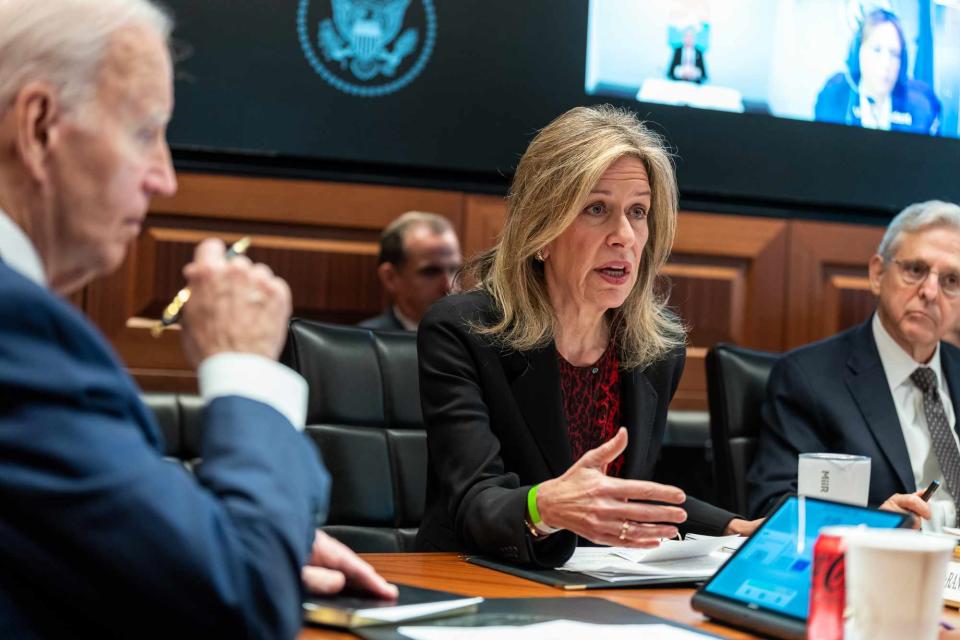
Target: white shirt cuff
(942,512)
(257,378)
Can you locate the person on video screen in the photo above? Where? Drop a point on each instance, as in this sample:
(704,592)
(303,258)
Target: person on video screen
(875,91)
(687,63)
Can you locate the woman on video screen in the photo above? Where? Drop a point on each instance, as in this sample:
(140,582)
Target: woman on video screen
(875,91)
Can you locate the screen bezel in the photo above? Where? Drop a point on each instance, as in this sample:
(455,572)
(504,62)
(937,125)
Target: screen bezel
(905,520)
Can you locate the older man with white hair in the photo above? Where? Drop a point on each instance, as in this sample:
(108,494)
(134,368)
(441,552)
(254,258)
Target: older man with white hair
(887,389)
(99,535)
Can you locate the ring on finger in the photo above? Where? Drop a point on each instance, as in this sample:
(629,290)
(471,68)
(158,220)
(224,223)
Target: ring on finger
(624,530)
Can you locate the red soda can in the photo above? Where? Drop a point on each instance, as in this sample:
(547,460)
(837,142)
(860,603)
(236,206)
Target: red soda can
(828,589)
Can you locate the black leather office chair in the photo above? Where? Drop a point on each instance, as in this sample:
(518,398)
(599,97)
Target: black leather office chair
(686,455)
(364,415)
(180,417)
(736,385)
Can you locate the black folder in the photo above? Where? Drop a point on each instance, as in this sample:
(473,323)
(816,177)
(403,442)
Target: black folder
(524,611)
(573,581)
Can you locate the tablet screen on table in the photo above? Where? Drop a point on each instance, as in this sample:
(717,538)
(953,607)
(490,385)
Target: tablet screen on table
(773,569)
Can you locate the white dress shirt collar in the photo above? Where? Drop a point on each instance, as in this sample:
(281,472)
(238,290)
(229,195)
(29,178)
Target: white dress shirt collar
(908,401)
(897,363)
(18,252)
(407,323)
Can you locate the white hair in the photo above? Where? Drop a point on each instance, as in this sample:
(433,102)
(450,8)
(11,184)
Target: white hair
(63,42)
(917,217)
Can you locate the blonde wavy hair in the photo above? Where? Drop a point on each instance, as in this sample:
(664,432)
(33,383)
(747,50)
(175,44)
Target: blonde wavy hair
(552,182)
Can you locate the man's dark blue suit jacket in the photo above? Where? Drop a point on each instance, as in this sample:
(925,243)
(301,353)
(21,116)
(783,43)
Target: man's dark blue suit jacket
(833,396)
(102,537)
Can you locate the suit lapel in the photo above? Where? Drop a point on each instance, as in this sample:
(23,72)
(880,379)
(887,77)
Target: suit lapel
(638,407)
(871,391)
(537,393)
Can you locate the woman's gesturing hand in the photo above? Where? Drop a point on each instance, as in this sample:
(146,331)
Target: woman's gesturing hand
(599,508)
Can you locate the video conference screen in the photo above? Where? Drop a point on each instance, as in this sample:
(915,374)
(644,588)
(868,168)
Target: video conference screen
(447,93)
(891,65)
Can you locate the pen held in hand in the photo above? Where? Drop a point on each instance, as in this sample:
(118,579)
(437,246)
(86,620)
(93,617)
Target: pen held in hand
(171,313)
(930,490)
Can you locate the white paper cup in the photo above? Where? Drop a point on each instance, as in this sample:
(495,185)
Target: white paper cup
(894,583)
(834,476)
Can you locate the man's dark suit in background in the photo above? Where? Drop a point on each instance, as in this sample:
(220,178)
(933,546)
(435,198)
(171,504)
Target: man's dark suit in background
(386,321)
(833,396)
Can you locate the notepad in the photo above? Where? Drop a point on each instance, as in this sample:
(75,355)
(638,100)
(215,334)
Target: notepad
(413,603)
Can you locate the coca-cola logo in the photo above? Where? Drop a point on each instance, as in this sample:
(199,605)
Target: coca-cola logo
(834,579)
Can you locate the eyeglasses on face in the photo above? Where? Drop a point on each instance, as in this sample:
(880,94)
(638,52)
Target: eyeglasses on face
(916,271)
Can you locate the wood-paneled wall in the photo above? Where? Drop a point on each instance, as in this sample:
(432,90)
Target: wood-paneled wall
(760,282)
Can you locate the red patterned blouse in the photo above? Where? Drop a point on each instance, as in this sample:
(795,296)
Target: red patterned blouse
(591,404)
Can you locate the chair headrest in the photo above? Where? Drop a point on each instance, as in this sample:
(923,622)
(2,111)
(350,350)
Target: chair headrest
(356,376)
(736,386)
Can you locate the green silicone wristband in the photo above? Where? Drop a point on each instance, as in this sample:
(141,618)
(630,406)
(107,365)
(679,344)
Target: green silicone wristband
(532,505)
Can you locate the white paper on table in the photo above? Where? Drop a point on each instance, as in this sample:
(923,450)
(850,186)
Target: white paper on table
(676,549)
(698,568)
(554,630)
(730,543)
(607,566)
(410,611)
(594,559)
(693,558)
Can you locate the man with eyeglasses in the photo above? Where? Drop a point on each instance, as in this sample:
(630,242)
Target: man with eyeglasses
(888,389)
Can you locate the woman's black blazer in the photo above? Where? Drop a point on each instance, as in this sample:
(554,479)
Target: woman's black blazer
(495,427)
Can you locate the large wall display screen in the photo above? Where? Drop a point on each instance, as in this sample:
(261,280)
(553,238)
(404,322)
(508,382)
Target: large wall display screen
(847,105)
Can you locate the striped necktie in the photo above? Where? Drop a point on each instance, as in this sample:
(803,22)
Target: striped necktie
(944,443)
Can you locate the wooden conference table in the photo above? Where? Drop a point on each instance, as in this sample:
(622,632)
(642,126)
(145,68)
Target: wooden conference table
(448,572)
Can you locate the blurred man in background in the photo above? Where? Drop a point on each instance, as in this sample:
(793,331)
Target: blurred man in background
(419,258)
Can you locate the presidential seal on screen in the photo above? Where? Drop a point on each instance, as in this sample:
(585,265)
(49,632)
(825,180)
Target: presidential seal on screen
(367,48)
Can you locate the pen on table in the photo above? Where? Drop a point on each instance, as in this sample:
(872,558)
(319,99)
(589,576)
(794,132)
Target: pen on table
(930,490)
(171,312)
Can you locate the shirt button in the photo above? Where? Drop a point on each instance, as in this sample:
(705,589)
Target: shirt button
(594,370)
